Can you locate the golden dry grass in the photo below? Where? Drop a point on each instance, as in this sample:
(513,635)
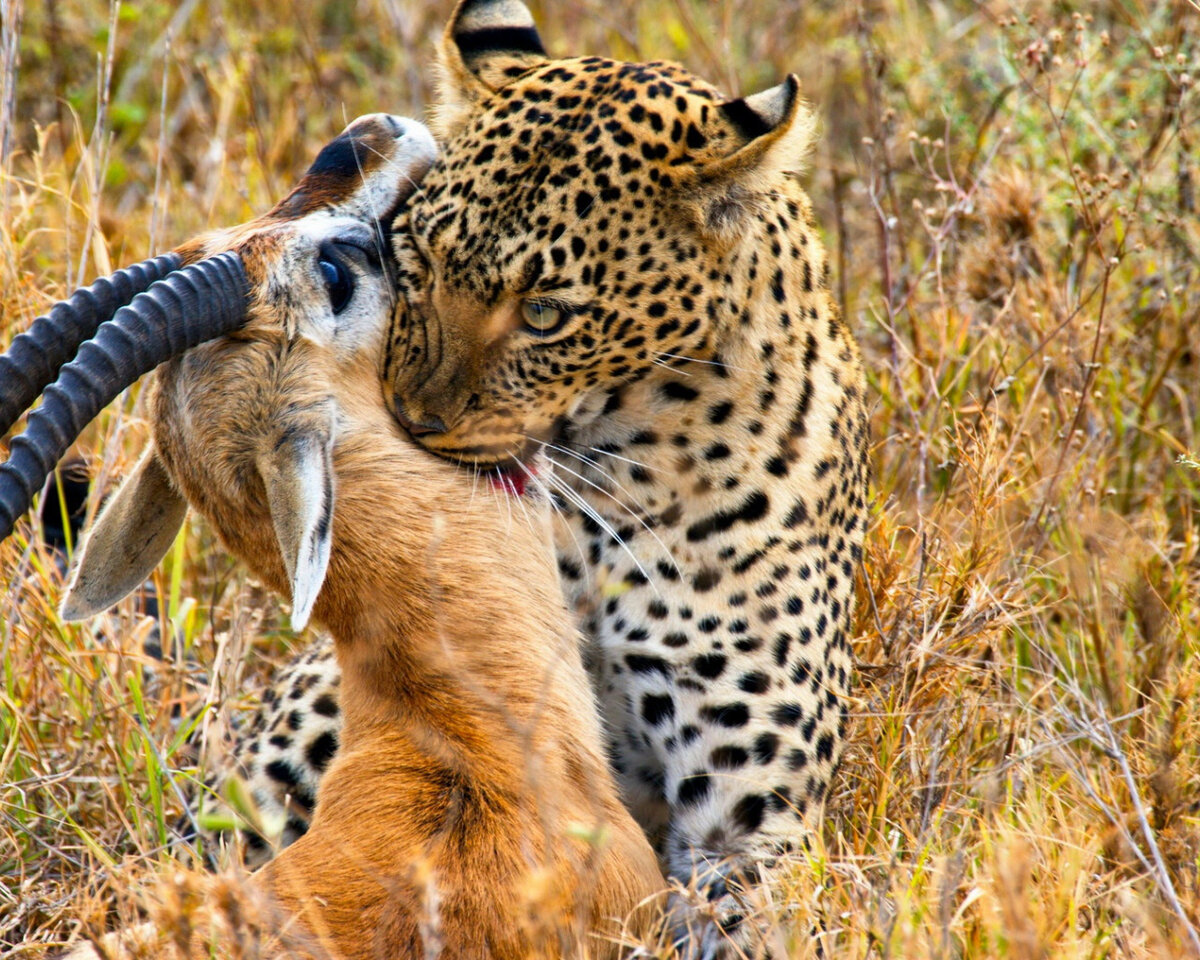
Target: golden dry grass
(1008,190)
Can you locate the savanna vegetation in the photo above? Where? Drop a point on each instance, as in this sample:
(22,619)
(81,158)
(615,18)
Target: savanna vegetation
(1008,190)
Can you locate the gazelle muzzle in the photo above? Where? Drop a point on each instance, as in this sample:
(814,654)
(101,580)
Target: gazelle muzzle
(186,307)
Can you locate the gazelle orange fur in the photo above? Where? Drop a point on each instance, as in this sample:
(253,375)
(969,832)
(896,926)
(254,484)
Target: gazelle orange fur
(470,809)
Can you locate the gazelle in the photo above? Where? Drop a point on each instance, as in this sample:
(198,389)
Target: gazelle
(470,809)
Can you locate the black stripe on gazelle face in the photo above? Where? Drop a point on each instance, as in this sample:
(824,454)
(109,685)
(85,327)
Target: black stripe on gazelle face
(367,171)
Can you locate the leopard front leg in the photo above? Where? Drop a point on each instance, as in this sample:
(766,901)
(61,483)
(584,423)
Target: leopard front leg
(282,752)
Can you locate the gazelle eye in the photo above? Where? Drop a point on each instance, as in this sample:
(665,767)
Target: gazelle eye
(542,317)
(339,283)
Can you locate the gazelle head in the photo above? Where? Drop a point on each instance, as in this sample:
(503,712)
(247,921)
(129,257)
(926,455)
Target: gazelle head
(303,292)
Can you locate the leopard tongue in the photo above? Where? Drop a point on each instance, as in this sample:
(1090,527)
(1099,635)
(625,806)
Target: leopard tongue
(513,483)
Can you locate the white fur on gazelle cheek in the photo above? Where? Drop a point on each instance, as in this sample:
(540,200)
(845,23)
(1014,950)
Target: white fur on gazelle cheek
(363,324)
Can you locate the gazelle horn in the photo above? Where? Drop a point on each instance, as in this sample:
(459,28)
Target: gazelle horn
(34,358)
(199,302)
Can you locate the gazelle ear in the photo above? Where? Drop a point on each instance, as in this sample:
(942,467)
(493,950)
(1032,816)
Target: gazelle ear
(487,44)
(132,534)
(772,132)
(298,476)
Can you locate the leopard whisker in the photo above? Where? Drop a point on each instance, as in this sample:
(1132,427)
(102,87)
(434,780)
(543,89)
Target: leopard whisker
(625,490)
(496,495)
(393,166)
(579,456)
(667,366)
(474,486)
(504,494)
(521,503)
(555,504)
(603,524)
(596,466)
(624,506)
(617,456)
(711,363)
(380,230)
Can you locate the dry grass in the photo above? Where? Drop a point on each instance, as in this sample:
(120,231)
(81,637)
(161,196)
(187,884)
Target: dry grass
(1008,190)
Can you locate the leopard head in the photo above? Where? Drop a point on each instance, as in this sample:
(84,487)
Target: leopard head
(575,234)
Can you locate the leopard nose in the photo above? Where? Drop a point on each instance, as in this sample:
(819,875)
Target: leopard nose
(418,428)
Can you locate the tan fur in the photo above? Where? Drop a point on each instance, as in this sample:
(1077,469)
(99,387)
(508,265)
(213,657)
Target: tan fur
(471,773)
(465,704)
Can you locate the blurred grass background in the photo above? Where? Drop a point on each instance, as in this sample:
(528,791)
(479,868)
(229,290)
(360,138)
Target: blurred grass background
(1008,190)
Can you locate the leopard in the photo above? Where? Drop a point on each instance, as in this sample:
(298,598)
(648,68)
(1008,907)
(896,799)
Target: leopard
(613,293)
(616,294)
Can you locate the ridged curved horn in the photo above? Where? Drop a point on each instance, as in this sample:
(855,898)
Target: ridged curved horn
(33,359)
(200,302)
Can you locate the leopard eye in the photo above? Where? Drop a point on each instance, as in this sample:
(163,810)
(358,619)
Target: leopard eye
(542,317)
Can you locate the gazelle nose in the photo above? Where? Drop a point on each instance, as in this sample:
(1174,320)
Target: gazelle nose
(418,428)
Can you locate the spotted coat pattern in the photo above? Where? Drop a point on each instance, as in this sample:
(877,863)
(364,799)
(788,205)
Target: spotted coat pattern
(699,397)
(280,754)
(697,412)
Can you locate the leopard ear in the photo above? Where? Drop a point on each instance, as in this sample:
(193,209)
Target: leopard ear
(772,132)
(487,44)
